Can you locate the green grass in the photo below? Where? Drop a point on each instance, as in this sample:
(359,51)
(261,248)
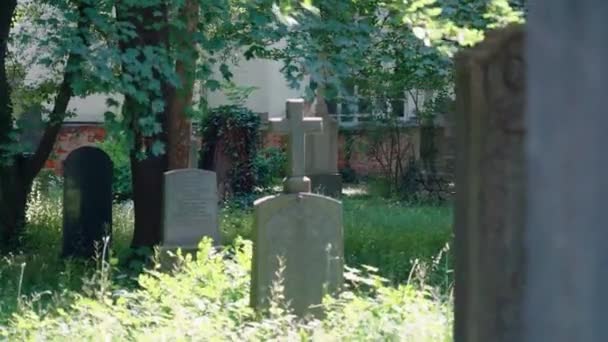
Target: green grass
(386,234)
(43,297)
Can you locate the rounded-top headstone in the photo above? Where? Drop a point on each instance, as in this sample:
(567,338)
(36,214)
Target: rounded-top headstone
(87,201)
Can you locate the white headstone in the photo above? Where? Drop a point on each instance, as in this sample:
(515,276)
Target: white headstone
(191,208)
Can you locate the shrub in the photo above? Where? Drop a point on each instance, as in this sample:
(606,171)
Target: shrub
(270,166)
(349,175)
(116,146)
(233,131)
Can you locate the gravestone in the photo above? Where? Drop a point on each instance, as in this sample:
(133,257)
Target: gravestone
(322,152)
(194,153)
(31,128)
(297,234)
(190,210)
(490,193)
(87,201)
(566,225)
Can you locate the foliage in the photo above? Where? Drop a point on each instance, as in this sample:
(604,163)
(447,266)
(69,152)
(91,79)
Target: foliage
(47,279)
(270,165)
(233,131)
(387,234)
(385,49)
(117,147)
(391,146)
(64,299)
(208,297)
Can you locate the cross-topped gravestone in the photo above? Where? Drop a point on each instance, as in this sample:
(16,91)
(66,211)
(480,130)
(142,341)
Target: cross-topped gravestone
(296,126)
(297,235)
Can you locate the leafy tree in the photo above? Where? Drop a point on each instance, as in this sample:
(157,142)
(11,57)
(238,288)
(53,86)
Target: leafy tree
(153,52)
(68,52)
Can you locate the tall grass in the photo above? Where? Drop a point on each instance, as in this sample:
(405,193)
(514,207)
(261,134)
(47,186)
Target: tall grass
(392,236)
(387,234)
(43,297)
(207,299)
(36,268)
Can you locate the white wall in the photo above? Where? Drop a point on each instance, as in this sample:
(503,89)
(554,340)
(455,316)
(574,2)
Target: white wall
(272,88)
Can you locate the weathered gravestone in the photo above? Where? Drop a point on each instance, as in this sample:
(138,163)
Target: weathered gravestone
(190,210)
(194,153)
(322,152)
(87,201)
(490,194)
(298,233)
(31,128)
(567,125)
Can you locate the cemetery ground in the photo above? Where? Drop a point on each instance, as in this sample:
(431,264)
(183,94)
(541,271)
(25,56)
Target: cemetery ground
(45,297)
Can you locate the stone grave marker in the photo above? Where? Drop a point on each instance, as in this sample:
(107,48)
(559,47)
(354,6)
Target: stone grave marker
(87,201)
(298,232)
(322,152)
(490,193)
(31,128)
(566,121)
(190,210)
(193,158)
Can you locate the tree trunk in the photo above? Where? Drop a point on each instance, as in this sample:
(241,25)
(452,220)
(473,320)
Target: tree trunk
(148,172)
(180,127)
(9,174)
(17,172)
(13,198)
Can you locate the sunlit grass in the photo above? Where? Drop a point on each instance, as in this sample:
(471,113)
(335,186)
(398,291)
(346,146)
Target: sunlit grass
(44,297)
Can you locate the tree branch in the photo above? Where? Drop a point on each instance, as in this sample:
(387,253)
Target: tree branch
(58,114)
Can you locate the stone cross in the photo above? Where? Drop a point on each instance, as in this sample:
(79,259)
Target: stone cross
(296,126)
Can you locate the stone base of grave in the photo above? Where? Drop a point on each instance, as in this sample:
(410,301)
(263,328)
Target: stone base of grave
(329,184)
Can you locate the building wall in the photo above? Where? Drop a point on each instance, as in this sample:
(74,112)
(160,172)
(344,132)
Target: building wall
(271,88)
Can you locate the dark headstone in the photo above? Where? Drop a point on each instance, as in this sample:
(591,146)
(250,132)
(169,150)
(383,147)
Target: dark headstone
(566,227)
(87,201)
(490,194)
(31,128)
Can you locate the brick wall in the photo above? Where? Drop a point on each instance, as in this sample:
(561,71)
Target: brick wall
(360,161)
(71,137)
(74,136)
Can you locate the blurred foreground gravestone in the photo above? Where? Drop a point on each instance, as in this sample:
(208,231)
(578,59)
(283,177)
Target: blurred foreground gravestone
(297,236)
(566,121)
(490,195)
(531,230)
(87,202)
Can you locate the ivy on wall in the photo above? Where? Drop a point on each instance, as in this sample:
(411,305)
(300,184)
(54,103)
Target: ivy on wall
(233,131)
